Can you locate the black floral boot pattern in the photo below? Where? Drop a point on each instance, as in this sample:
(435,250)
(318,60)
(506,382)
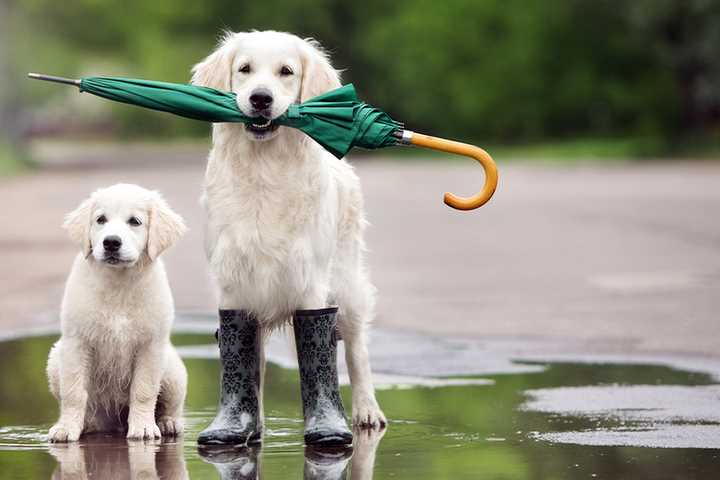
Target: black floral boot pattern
(237,421)
(325,422)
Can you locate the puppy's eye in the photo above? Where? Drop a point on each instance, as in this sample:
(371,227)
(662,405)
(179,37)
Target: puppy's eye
(285,71)
(245,68)
(101,220)
(134,222)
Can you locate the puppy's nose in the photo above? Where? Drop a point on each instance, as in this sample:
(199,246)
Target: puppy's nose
(261,99)
(112,243)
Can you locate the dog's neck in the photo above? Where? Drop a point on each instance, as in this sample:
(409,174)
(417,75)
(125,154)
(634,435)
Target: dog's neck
(290,149)
(117,278)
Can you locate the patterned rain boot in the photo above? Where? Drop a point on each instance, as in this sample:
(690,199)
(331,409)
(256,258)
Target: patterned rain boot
(237,421)
(316,341)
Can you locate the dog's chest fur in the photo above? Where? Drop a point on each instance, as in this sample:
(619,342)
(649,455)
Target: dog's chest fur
(114,314)
(272,225)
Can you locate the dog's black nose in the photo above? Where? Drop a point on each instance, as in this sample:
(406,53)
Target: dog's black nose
(112,243)
(261,99)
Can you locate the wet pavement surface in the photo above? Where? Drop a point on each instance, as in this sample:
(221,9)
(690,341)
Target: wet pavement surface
(459,408)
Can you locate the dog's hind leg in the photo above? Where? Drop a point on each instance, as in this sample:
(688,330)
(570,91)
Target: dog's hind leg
(169,409)
(53,371)
(356,299)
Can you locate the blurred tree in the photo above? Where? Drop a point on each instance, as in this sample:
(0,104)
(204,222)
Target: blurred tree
(685,38)
(10,102)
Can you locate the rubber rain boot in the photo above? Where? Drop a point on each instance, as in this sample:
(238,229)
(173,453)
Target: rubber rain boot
(316,341)
(237,422)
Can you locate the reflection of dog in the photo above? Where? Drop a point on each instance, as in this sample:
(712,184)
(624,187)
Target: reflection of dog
(285,218)
(365,444)
(114,367)
(107,458)
(320,463)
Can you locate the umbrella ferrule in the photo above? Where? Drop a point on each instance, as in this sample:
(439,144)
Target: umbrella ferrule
(52,78)
(406,137)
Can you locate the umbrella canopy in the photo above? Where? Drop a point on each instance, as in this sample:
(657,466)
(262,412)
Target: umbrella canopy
(337,120)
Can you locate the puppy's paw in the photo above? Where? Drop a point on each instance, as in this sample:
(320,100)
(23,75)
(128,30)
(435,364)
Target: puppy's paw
(64,432)
(143,430)
(366,413)
(169,426)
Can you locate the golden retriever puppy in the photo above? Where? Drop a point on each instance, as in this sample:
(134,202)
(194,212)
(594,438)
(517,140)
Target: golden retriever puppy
(114,368)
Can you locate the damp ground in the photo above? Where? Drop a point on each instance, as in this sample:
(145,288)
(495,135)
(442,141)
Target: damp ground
(458,409)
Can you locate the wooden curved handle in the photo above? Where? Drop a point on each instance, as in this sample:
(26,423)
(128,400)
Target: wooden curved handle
(450,146)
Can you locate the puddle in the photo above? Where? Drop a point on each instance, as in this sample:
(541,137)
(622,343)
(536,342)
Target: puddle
(561,420)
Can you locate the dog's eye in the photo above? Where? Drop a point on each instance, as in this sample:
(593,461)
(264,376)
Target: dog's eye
(285,71)
(245,68)
(101,220)
(134,222)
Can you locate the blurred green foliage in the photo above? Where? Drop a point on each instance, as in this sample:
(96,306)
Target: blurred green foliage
(495,71)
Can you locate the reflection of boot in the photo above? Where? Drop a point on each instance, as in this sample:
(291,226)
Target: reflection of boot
(325,422)
(237,421)
(232,463)
(328,463)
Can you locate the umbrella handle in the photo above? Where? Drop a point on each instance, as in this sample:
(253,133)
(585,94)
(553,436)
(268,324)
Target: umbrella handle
(458,148)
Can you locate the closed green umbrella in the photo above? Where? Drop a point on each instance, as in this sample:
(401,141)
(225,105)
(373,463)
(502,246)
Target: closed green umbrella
(337,120)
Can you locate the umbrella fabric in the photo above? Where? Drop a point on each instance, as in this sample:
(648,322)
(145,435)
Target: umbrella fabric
(337,120)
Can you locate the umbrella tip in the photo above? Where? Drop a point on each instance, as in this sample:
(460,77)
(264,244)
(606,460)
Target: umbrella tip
(50,78)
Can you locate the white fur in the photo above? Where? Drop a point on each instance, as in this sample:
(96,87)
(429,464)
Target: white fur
(114,367)
(285,218)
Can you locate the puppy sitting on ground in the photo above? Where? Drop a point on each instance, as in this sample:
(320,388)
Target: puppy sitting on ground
(114,368)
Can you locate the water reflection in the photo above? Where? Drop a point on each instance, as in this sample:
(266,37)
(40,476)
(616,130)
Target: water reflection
(243,463)
(104,456)
(458,432)
(233,463)
(108,457)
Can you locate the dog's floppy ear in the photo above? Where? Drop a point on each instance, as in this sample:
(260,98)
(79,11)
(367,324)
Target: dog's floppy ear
(165,227)
(318,74)
(215,71)
(77,224)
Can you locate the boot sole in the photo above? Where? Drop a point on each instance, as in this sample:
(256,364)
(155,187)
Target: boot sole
(328,439)
(229,438)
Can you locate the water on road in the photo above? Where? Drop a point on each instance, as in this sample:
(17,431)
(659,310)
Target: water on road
(557,420)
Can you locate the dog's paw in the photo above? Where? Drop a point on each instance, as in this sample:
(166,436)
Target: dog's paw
(143,430)
(366,413)
(64,432)
(169,426)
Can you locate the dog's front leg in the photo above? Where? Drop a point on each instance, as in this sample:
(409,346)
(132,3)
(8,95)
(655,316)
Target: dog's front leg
(73,395)
(144,391)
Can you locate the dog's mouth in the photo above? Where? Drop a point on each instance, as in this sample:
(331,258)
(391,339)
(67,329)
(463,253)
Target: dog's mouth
(261,129)
(114,260)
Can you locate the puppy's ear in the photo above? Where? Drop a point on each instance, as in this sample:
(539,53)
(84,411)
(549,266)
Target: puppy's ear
(318,74)
(77,224)
(165,228)
(216,70)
